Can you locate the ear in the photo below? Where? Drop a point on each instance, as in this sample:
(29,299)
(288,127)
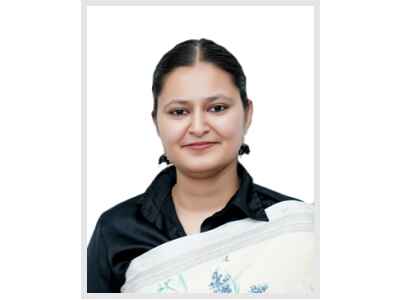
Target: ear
(248,116)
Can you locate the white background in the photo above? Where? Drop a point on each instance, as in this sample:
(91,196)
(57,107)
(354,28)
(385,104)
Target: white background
(40,149)
(275,46)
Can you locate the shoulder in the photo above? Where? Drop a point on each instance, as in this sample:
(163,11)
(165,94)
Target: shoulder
(277,204)
(269,197)
(121,213)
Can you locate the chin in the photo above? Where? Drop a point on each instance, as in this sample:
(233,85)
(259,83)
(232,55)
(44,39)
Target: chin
(201,165)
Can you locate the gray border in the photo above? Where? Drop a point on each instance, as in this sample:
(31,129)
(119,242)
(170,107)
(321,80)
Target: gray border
(317,139)
(85,3)
(84,147)
(200,2)
(190,296)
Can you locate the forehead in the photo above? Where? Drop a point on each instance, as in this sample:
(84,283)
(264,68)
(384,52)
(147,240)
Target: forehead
(199,81)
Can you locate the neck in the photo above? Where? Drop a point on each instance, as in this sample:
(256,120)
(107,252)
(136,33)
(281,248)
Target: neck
(208,193)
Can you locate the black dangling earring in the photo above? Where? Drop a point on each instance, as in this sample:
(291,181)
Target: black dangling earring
(163,158)
(244,149)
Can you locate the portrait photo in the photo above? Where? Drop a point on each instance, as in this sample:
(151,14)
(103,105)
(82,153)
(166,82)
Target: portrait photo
(200,148)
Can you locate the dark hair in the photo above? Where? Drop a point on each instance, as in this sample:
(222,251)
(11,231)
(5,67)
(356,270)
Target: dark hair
(188,53)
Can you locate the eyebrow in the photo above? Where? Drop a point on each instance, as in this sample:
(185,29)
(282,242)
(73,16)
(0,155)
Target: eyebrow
(207,99)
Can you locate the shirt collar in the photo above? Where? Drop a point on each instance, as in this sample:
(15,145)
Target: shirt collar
(159,190)
(245,198)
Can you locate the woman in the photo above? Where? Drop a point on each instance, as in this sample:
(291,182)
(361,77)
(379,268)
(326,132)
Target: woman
(203,226)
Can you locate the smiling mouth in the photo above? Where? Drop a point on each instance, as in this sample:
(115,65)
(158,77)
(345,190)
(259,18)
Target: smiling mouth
(199,146)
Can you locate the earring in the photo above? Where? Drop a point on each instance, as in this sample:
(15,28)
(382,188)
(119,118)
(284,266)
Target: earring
(163,158)
(244,149)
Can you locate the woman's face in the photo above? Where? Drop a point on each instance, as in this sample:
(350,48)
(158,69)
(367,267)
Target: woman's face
(197,104)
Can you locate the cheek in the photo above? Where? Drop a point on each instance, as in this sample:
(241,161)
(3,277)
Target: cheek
(171,132)
(230,127)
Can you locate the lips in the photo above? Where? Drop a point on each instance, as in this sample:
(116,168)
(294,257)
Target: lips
(200,145)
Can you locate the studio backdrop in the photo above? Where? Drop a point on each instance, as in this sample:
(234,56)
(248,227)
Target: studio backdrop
(275,46)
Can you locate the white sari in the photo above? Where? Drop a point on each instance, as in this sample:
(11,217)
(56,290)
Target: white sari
(240,257)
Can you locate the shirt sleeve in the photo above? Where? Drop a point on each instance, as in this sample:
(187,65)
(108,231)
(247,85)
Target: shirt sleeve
(99,272)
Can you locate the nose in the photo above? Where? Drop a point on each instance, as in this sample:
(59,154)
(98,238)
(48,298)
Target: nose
(199,125)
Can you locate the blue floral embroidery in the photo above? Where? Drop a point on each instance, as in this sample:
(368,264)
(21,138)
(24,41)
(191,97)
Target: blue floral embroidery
(220,283)
(258,289)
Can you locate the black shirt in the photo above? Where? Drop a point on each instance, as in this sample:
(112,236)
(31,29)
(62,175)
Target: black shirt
(148,220)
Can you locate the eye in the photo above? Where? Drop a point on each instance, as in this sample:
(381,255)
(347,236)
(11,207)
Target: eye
(177,112)
(218,108)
